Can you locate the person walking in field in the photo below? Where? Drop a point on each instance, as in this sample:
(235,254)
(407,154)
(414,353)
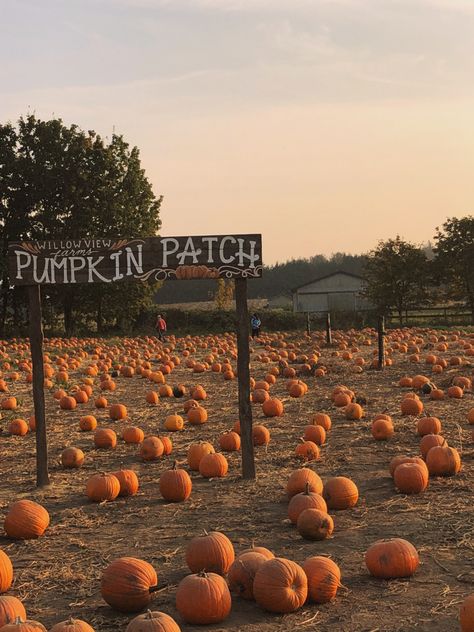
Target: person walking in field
(255,324)
(160,326)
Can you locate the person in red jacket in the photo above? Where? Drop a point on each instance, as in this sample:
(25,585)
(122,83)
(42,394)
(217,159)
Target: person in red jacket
(161,326)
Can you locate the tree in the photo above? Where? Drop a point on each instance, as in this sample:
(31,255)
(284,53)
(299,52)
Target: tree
(454,262)
(57,182)
(397,276)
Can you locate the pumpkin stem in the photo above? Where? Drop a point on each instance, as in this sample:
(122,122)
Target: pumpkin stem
(148,615)
(174,465)
(306,489)
(153,589)
(205,532)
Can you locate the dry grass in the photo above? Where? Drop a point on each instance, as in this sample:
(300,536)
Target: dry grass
(59,574)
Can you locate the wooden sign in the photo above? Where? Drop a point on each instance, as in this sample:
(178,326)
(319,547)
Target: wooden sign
(149,259)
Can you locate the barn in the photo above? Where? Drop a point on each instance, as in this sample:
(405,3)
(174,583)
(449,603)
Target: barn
(336,292)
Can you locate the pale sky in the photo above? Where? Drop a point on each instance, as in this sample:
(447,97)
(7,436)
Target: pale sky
(325,125)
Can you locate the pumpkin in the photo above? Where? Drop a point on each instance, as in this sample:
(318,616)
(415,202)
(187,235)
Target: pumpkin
(213,465)
(18,427)
(411,478)
(165,390)
(443,461)
(314,524)
(10,609)
(179,390)
(197,415)
(24,625)
(316,434)
(175,485)
(323,420)
(398,460)
(128,481)
(152,622)
(196,452)
(127,584)
(72,457)
(203,599)
(299,479)
(101,402)
(260,395)
(382,429)
(242,573)
(410,406)
(354,412)
(105,438)
(151,449)
(211,551)
(118,412)
(430,441)
(324,578)
(26,520)
(67,403)
(133,434)
(87,423)
(272,407)
(174,423)
(456,392)
(6,572)
(392,559)
(428,425)
(102,487)
(466,615)
(167,445)
(229,441)
(153,398)
(72,625)
(280,585)
(307,450)
(267,554)
(305,500)
(340,492)
(260,435)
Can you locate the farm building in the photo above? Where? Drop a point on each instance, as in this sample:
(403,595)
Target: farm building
(336,292)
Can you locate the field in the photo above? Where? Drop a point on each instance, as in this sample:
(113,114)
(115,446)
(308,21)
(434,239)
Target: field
(58,575)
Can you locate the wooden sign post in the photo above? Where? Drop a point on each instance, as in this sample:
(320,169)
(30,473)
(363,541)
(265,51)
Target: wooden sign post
(381,343)
(107,260)
(328,330)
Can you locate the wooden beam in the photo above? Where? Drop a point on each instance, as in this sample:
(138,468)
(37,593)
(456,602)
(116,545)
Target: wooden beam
(308,324)
(243,372)
(381,342)
(36,346)
(328,330)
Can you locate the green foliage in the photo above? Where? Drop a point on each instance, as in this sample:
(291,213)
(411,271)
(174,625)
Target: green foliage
(454,262)
(397,276)
(57,182)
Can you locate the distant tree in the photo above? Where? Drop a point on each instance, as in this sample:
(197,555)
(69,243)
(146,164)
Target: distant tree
(397,276)
(454,262)
(57,182)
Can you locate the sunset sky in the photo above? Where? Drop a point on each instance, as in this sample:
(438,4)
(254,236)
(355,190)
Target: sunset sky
(326,125)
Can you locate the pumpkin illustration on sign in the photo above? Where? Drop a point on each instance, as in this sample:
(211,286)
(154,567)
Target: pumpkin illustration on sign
(196,272)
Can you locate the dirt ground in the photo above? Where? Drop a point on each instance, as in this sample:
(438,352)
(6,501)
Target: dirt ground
(59,574)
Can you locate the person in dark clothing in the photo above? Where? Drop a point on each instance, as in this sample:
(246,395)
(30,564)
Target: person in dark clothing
(255,324)
(160,327)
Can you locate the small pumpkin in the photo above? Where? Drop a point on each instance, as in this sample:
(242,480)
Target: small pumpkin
(128,481)
(230,441)
(10,609)
(153,622)
(299,479)
(175,485)
(307,450)
(105,438)
(6,572)
(151,449)
(443,461)
(24,625)
(242,573)
(428,425)
(213,465)
(196,452)
(340,492)
(411,478)
(72,625)
(72,457)
(314,524)
(305,500)
(102,487)
(133,434)
(273,407)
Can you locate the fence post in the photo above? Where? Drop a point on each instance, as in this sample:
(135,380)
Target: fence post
(381,341)
(308,324)
(328,330)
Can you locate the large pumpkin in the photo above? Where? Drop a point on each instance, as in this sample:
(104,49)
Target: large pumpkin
(102,487)
(242,573)
(392,559)
(272,407)
(6,572)
(443,461)
(324,578)
(151,449)
(203,599)
(127,584)
(280,585)
(340,493)
(10,609)
(305,500)
(196,451)
(128,481)
(153,622)
(211,552)
(213,465)
(411,478)
(26,520)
